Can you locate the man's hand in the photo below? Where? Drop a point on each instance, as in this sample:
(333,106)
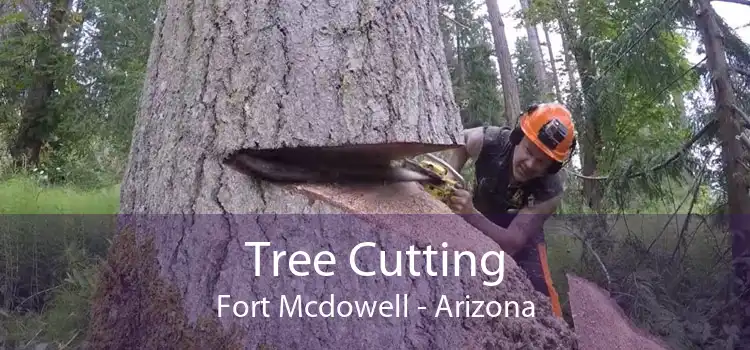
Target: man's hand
(461,202)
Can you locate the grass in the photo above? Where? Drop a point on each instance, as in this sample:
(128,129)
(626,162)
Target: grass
(21,195)
(51,239)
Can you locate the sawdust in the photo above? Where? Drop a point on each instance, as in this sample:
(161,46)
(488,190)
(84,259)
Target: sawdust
(396,198)
(136,308)
(601,324)
(406,199)
(423,218)
(133,293)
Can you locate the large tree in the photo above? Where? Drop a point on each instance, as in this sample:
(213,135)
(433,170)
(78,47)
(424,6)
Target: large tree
(735,145)
(230,76)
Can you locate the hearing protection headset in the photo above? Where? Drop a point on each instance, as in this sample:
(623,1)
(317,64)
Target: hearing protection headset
(550,127)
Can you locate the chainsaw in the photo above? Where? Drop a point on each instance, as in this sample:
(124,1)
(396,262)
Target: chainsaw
(435,167)
(332,166)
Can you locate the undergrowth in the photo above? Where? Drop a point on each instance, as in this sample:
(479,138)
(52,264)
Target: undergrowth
(51,239)
(671,279)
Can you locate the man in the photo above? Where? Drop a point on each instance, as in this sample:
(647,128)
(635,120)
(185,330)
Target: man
(518,187)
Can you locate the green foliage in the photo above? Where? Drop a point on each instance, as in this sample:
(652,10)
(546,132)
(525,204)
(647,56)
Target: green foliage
(22,195)
(528,87)
(669,274)
(117,61)
(17,51)
(638,67)
(65,318)
(476,87)
(483,104)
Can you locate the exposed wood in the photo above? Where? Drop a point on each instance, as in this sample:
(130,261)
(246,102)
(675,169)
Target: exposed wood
(601,324)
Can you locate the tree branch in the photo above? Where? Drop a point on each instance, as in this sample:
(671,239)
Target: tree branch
(740,70)
(741,2)
(745,118)
(745,140)
(453,20)
(671,159)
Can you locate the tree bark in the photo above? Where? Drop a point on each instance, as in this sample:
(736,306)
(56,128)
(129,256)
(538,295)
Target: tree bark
(508,80)
(460,69)
(589,137)
(289,75)
(732,156)
(229,76)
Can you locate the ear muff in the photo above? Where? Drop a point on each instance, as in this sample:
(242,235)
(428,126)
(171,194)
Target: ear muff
(556,166)
(516,135)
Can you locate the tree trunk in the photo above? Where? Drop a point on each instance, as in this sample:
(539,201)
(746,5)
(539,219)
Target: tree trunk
(346,77)
(679,103)
(460,64)
(38,118)
(589,137)
(569,68)
(508,80)
(540,71)
(292,75)
(553,64)
(732,156)
(447,42)
(585,111)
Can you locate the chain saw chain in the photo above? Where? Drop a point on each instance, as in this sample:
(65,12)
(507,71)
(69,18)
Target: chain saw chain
(307,165)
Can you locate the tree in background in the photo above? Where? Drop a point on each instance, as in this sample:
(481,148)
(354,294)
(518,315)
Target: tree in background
(529,90)
(473,73)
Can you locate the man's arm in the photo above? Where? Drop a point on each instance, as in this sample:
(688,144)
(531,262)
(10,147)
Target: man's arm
(525,225)
(528,222)
(473,140)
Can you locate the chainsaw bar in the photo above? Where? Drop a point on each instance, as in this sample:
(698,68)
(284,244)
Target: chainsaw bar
(326,171)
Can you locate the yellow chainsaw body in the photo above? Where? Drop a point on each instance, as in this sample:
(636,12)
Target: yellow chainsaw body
(444,191)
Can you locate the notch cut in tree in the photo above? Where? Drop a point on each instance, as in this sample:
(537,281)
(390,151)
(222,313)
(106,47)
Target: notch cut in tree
(233,76)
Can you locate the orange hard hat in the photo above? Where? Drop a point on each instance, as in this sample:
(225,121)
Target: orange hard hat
(550,127)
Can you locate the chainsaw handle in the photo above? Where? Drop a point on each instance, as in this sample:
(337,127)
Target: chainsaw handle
(453,172)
